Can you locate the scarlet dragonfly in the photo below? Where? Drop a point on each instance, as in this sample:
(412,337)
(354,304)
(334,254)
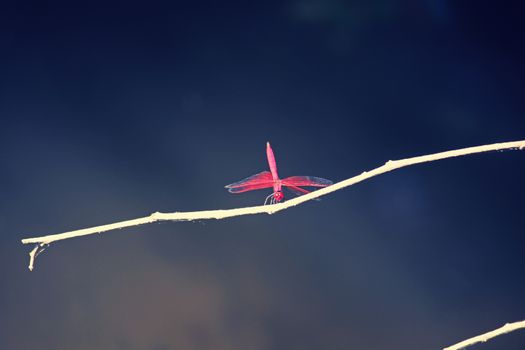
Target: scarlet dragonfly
(270,179)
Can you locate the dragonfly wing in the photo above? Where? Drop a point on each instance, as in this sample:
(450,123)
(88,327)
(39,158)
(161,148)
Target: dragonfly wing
(296,190)
(309,181)
(254,182)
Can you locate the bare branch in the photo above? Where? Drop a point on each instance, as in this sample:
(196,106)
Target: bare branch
(271,209)
(509,327)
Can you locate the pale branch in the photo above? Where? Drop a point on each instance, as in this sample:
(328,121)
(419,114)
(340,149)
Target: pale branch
(32,257)
(269,209)
(509,327)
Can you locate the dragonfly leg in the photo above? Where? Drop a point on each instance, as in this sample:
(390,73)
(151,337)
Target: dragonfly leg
(269,199)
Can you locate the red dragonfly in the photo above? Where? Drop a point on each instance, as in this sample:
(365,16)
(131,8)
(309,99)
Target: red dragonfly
(268,179)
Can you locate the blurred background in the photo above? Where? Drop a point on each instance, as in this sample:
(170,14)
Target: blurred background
(113,110)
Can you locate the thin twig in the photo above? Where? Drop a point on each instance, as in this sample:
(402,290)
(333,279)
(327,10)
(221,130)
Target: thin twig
(33,254)
(271,209)
(32,257)
(509,327)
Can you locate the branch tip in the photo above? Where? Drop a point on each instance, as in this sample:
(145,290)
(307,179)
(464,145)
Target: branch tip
(32,257)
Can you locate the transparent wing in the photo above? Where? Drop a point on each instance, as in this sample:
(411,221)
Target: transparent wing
(308,181)
(254,182)
(297,190)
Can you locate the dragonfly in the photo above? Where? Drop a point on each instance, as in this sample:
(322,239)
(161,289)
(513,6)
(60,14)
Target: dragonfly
(270,179)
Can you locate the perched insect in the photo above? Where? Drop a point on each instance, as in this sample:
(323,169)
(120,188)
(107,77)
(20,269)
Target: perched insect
(270,179)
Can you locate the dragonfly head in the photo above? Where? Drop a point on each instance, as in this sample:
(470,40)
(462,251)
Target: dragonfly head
(278,196)
(275,197)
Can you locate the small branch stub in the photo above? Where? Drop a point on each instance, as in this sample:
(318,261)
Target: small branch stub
(33,254)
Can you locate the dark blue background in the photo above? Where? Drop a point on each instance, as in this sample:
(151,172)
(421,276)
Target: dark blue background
(113,110)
